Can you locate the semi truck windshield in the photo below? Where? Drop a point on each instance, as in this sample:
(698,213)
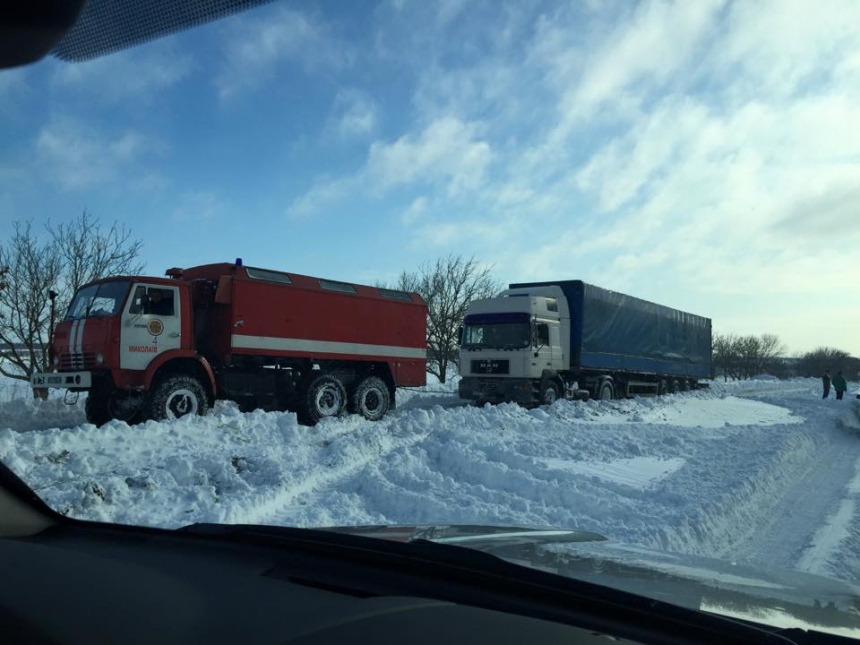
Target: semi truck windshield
(513,335)
(98,300)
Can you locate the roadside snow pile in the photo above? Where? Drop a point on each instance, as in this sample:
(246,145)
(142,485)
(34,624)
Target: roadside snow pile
(715,473)
(26,414)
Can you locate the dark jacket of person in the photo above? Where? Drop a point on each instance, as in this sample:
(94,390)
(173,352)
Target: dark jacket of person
(839,383)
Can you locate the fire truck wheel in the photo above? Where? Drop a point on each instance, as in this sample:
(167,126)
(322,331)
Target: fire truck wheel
(371,399)
(325,396)
(176,396)
(97,408)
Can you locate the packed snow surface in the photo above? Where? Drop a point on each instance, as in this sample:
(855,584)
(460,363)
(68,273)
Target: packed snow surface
(760,471)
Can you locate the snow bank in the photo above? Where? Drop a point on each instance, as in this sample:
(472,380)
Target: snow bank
(707,472)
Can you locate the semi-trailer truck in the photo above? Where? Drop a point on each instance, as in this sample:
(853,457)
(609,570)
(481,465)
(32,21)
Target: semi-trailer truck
(541,341)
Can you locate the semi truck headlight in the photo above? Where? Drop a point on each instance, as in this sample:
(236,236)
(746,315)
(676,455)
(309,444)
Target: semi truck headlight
(100,358)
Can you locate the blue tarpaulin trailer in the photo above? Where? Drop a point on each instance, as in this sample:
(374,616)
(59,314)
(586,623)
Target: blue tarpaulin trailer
(614,331)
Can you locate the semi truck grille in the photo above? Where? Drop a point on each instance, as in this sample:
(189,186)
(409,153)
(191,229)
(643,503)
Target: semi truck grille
(85,361)
(491,366)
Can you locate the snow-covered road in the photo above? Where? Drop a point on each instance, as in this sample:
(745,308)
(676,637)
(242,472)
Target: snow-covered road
(763,472)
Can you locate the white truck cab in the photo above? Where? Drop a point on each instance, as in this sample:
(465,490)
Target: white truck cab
(513,342)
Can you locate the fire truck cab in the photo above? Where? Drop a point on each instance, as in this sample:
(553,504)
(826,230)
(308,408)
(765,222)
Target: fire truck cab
(156,348)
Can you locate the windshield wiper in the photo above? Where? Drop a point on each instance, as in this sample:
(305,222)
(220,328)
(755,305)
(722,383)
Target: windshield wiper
(456,574)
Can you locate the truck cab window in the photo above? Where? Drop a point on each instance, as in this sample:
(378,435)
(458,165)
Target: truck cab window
(152,300)
(542,335)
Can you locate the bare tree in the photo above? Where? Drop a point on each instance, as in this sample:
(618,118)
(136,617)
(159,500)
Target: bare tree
(814,363)
(726,356)
(448,286)
(89,251)
(65,258)
(742,357)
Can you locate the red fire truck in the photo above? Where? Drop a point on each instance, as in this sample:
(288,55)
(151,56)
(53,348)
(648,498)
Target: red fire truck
(157,348)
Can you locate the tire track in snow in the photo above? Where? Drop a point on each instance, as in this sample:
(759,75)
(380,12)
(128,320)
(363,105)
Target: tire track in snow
(367,442)
(779,517)
(789,525)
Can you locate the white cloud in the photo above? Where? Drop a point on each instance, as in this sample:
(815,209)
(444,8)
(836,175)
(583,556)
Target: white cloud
(136,74)
(416,209)
(78,156)
(354,113)
(448,152)
(323,193)
(255,46)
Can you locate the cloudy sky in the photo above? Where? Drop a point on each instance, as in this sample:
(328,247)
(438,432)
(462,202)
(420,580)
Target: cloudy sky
(704,155)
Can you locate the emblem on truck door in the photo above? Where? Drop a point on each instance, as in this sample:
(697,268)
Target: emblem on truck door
(155,327)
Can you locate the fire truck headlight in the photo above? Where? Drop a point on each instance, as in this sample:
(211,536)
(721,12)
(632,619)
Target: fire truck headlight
(100,358)
(56,360)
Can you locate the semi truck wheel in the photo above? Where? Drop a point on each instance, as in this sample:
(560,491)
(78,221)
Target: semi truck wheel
(324,396)
(549,393)
(176,396)
(371,399)
(675,387)
(606,391)
(662,387)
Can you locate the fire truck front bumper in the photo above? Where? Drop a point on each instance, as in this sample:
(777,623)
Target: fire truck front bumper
(76,380)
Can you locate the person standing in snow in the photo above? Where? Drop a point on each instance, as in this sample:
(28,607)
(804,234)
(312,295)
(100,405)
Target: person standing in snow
(839,385)
(825,381)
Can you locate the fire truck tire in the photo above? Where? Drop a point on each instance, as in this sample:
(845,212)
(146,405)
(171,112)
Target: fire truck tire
(324,397)
(177,395)
(97,408)
(371,399)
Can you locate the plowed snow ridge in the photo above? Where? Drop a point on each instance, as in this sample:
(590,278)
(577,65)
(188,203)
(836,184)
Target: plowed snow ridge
(763,472)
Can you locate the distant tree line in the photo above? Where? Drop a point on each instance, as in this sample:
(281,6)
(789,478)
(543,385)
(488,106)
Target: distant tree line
(743,357)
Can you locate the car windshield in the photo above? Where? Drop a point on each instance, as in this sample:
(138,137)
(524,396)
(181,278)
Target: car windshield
(583,266)
(98,300)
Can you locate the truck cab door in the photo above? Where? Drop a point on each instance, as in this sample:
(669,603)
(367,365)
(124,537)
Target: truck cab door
(542,350)
(150,325)
(556,353)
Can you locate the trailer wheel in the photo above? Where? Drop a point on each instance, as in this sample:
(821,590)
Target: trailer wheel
(371,399)
(662,387)
(549,393)
(685,385)
(606,392)
(324,396)
(676,386)
(176,396)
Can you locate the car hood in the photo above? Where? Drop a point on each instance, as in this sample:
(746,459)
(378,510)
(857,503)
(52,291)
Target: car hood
(775,597)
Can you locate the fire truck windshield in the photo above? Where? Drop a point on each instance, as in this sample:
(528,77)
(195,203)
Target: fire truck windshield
(98,300)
